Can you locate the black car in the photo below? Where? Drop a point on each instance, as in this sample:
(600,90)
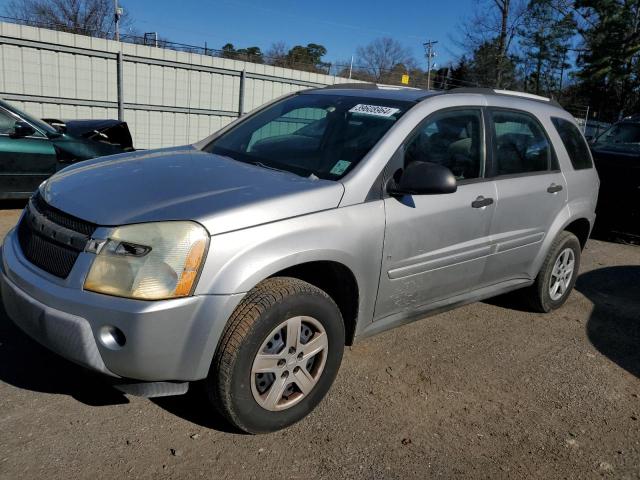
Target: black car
(616,154)
(31,150)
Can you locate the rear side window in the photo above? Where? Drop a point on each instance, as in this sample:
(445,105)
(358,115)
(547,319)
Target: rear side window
(574,143)
(521,146)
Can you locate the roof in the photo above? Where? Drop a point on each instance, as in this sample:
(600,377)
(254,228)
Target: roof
(371,90)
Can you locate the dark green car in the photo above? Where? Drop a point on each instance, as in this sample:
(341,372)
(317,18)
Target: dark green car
(31,150)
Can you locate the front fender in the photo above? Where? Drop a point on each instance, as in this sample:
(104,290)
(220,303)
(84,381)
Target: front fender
(352,236)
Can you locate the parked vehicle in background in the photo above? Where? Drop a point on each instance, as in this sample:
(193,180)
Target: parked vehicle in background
(616,154)
(593,128)
(31,150)
(248,260)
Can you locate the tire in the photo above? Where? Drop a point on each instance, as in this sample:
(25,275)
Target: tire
(233,386)
(539,294)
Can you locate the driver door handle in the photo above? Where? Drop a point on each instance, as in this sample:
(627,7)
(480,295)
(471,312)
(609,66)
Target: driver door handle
(553,188)
(481,202)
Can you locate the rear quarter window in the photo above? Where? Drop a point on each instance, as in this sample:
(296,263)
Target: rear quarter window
(574,143)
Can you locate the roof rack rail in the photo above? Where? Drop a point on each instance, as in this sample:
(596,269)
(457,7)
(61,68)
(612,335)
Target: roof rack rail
(506,93)
(366,86)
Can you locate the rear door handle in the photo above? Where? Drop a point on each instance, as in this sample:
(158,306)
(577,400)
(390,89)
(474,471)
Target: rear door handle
(481,202)
(553,188)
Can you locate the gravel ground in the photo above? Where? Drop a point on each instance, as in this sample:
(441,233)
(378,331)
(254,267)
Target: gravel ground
(485,391)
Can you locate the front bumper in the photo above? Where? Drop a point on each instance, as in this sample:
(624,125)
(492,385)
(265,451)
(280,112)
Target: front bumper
(165,340)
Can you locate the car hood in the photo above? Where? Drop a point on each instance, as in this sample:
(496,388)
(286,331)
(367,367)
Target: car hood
(185,184)
(615,151)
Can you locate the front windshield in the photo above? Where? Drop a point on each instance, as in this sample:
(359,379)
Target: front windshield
(623,134)
(311,134)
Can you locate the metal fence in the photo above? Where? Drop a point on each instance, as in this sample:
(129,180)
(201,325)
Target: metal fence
(168,97)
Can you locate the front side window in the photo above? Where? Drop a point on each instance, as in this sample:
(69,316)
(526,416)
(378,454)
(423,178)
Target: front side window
(317,135)
(521,146)
(39,125)
(574,143)
(452,139)
(622,134)
(7,123)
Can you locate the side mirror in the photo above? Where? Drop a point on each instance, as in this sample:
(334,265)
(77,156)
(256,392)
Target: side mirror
(424,178)
(22,129)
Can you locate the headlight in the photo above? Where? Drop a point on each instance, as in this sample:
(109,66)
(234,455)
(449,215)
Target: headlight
(149,261)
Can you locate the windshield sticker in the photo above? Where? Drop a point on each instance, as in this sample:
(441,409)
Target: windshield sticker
(340,167)
(377,110)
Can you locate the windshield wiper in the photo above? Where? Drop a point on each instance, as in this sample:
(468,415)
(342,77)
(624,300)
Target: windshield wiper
(269,167)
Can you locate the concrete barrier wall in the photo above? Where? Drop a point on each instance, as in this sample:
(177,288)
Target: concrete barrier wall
(170,97)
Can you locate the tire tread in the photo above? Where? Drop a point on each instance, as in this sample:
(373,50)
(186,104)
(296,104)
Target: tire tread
(536,295)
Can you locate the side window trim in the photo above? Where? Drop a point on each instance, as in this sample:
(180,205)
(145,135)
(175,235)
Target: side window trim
(17,118)
(553,166)
(484,152)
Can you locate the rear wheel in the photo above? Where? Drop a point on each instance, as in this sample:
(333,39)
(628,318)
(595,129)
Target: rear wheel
(278,356)
(557,275)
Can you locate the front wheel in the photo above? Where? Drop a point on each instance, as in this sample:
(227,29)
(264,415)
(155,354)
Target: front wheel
(278,356)
(557,275)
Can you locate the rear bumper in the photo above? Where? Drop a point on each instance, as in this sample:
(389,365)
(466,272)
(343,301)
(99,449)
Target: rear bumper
(164,340)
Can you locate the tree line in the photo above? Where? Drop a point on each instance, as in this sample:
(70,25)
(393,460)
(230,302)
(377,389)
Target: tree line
(578,51)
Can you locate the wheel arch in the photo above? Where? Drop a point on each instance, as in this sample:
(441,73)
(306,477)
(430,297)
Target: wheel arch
(581,228)
(576,223)
(338,281)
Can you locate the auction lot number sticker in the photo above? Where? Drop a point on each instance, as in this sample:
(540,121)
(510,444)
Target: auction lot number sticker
(377,110)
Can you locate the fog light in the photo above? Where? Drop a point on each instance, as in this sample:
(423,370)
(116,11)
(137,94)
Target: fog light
(112,337)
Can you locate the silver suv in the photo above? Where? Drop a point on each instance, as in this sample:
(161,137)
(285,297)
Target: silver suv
(248,260)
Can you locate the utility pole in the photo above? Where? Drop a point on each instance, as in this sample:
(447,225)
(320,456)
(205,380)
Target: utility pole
(120,63)
(351,67)
(117,15)
(430,54)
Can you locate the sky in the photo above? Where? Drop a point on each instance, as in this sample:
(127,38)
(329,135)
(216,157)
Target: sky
(340,25)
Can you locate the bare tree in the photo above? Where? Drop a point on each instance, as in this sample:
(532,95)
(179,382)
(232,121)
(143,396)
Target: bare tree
(87,17)
(277,54)
(494,22)
(382,56)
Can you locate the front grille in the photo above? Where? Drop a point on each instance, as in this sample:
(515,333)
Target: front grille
(51,239)
(61,218)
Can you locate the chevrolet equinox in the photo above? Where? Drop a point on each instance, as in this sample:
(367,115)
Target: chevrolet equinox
(248,260)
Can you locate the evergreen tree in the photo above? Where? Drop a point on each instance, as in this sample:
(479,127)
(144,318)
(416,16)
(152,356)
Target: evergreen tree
(545,38)
(610,62)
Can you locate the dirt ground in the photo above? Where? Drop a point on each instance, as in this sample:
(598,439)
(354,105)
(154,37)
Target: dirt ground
(485,391)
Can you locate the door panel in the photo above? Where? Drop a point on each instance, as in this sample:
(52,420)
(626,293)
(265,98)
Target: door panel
(435,247)
(523,215)
(25,163)
(530,194)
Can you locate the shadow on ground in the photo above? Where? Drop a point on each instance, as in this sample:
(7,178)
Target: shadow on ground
(12,204)
(26,364)
(194,408)
(614,325)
